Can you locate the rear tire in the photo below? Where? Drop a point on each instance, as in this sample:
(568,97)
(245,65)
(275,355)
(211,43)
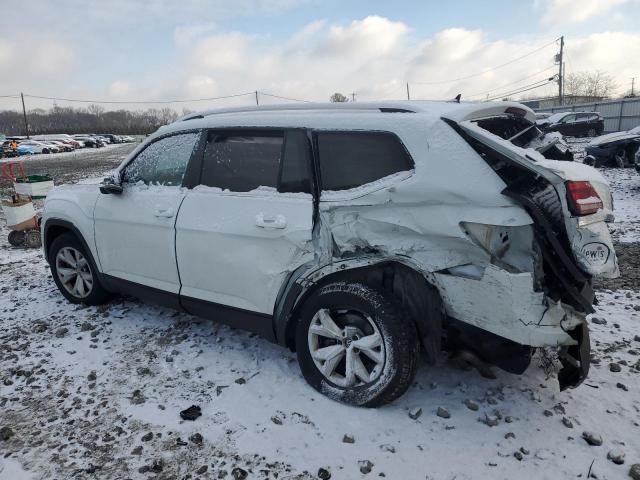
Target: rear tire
(16,238)
(592,132)
(356,345)
(75,272)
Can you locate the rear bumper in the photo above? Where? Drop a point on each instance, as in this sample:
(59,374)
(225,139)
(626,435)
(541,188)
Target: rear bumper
(506,305)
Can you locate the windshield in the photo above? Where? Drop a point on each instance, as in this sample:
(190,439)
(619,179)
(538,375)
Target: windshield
(556,117)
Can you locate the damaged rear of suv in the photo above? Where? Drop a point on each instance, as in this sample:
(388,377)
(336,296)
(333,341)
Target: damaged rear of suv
(357,235)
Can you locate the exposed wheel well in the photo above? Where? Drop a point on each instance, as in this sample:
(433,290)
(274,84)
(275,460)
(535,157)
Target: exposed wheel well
(410,289)
(51,232)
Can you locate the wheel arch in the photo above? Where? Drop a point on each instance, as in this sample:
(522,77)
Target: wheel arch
(53,228)
(403,280)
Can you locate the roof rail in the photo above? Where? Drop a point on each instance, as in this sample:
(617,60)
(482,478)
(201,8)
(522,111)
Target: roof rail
(384,107)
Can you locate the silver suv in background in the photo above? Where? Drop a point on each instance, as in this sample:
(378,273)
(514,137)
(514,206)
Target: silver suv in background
(357,235)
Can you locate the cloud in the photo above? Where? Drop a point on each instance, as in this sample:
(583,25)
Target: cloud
(185,35)
(572,11)
(372,35)
(6,52)
(223,52)
(372,56)
(119,88)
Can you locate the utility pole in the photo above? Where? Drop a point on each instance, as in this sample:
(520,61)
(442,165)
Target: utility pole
(561,71)
(24,113)
(633,83)
(353,96)
(408,96)
(257,103)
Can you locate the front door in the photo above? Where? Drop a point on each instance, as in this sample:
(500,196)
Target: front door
(249,225)
(135,230)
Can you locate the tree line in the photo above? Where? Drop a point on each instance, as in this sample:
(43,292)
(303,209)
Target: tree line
(93,119)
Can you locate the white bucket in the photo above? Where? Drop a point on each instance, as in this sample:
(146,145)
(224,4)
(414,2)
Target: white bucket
(19,215)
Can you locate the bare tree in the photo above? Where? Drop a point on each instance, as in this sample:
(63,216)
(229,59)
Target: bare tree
(338,98)
(94,109)
(588,84)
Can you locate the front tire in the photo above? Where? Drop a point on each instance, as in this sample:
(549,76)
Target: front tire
(75,272)
(356,345)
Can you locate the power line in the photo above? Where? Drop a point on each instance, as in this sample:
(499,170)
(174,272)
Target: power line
(511,83)
(522,89)
(9,96)
(284,98)
(488,69)
(137,101)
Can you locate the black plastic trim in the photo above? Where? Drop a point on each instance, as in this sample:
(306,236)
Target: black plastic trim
(258,323)
(255,322)
(56,222)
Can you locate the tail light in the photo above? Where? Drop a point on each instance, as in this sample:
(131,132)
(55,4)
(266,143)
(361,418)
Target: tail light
(583,198)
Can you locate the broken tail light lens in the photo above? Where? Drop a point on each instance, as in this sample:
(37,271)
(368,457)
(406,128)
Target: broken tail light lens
(583,198)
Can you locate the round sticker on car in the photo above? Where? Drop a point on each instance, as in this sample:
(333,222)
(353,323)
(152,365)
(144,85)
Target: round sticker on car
(596,253)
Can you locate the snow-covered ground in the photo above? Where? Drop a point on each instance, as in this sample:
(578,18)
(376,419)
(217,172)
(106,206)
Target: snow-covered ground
(96,393)
(625,185)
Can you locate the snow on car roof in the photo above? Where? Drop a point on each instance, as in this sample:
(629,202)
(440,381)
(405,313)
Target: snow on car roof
(344,115)
(615,136)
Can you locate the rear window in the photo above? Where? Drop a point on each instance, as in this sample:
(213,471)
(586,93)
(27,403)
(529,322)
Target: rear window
(242,162)
(352,159)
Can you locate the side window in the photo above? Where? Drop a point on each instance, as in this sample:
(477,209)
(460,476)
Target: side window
(351,159)
(163,162)
(241,162)
(569,119)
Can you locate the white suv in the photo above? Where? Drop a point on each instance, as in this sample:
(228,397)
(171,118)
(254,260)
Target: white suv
(357,235)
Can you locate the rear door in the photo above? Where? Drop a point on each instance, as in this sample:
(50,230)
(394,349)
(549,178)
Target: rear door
(248,224)
(135,230)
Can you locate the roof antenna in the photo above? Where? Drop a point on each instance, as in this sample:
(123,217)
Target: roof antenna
(458,97)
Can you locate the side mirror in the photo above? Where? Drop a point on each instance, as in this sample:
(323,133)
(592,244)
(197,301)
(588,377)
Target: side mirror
(109,186)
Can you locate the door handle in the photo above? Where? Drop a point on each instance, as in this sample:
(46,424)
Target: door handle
(273,221)
(163,212)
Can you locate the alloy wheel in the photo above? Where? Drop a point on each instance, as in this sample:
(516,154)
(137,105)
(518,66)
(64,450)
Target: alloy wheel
(346,346)
(74,272)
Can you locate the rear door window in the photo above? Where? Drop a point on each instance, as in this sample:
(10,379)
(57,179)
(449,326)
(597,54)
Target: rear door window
(242,161)
(353,159)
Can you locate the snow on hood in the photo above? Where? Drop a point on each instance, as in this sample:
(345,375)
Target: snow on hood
(613,137)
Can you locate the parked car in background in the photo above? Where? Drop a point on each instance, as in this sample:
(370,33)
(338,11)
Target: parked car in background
(542,115)
(65,146)
(112,138)
(89,141)
(637,160)
(65,139)
(573,124)
(40,147)
(356,235)
(616,149)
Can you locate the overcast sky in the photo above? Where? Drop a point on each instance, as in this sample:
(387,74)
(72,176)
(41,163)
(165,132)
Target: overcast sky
(307,49)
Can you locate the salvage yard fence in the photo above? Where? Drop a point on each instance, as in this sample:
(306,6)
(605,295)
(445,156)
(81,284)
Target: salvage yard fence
(619,115)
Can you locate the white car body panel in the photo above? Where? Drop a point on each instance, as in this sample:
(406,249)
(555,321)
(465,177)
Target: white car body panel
(135,235)
(74,204)
(237,249)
